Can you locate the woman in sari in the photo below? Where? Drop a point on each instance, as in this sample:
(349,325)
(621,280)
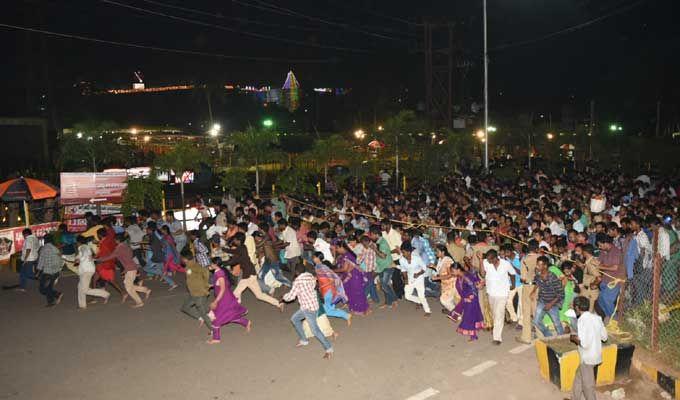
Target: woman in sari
(330,286)
(353,279)
(467,310)
(446,277)
(225,308)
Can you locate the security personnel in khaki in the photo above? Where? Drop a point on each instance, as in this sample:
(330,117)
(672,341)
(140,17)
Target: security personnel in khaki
(527,275)
(592,276)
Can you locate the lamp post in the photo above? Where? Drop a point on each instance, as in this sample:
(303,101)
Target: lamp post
(215,132)
(486,96)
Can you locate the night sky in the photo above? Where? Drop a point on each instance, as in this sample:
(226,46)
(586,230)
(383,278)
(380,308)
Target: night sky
(627,60)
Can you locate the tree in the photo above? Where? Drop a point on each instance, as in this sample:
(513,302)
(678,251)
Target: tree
(295,180)
(235,181)
(184,157)
(256,146)
(142,193)
(399,134)
(95,144)
(324,151)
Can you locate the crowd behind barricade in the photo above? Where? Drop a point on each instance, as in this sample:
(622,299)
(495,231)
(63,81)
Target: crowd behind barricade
(492,253)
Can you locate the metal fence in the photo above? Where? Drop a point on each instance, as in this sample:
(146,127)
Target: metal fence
(650,306)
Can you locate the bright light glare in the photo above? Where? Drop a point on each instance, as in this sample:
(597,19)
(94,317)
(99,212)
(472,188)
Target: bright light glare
(550,136)
(480,134)
(268,123)
(359,134)
(147,138)
(380,128)
(133,131)
(79,135)
(492,129)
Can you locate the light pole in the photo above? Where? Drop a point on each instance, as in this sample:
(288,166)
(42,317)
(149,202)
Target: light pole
(486,96)
(215,132)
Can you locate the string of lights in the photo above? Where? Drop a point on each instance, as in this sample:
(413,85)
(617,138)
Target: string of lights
(161,49)
(234,30)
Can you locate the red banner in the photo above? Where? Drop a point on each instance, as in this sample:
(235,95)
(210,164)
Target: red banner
(87,187)
(12,239)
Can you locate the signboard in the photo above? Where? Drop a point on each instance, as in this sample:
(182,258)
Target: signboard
(88,187)
(12,239)
(74,216)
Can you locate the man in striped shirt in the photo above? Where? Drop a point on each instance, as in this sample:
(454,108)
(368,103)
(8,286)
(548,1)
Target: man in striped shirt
(304,290)
(550,296)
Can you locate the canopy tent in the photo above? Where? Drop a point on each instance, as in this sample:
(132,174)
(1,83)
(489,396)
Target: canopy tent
(25,190)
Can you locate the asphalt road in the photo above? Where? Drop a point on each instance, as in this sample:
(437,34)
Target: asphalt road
(156,352)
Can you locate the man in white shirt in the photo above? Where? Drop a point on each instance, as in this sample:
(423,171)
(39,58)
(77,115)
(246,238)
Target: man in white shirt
(414,267)
(136,235)
(176,230)
(321,246)
(496,273)
(29,259)
(293,251)
(590,335)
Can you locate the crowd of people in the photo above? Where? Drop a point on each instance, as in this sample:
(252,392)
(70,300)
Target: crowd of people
(492,253)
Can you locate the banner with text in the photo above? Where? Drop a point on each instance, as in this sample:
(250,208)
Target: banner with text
(88,187)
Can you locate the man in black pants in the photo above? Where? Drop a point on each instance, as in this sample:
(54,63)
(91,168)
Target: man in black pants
(50,264)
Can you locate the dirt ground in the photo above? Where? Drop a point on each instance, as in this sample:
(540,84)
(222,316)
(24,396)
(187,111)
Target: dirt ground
(115,352)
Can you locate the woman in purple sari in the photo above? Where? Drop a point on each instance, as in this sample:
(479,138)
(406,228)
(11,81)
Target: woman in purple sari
(353,279)
(225,308)
(467,310)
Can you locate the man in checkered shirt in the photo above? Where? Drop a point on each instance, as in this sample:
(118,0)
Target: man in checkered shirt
(201,252)
(304,289)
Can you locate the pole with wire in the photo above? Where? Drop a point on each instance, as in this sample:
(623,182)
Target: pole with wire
(486,96)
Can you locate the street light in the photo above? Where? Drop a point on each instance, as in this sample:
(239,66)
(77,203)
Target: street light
(268,123)
(359,134)
(492,129)
(550,136)
(380,128)
(480,134)
(215,130)
(133,131)
(79,135)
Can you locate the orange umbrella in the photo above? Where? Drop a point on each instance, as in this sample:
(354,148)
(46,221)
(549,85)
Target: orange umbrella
(26,189)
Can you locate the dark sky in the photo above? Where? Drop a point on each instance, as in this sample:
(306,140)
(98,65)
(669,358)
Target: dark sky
(627,60)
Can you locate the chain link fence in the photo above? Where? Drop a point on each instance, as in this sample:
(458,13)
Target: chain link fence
(650,307)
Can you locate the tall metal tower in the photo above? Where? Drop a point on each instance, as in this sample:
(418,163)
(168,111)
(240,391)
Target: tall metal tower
(438,48)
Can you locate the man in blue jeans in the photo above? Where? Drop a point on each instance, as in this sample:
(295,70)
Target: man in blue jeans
(550,297)
(384,266)
(29,258)
(304,291)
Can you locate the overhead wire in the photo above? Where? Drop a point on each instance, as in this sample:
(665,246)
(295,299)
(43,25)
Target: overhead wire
(265,6)
(385,16)
(238,19)
(569,29)
(234,30)
(162,49)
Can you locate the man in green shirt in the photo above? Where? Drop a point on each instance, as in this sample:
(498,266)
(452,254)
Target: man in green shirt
(198,284)
(384,266)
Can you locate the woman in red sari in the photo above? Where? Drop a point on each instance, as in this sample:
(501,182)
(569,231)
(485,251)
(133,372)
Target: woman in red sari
(106,271)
